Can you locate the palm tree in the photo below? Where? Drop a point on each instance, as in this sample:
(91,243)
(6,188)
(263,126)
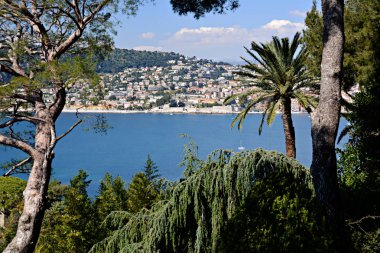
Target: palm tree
(279,76)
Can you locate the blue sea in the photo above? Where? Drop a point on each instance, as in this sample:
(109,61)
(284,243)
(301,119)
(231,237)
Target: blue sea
(125,147)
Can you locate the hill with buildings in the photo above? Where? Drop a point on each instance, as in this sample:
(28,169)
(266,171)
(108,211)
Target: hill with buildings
(120,59)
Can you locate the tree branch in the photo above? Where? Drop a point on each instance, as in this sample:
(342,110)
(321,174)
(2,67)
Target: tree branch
(28,98)
(9,70)
(23,146)
(69,130)
(19,118)
(23,162)
(59,103)
(363,219)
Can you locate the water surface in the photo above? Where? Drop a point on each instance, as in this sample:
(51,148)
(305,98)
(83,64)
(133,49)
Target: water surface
(124,149)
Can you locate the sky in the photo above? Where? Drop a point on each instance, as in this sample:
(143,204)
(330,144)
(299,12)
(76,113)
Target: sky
(220,37)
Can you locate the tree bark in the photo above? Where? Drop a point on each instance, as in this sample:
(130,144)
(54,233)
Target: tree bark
(290,137)
(35,193)
(325,120)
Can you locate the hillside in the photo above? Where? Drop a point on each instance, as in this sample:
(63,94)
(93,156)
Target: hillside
(120,59)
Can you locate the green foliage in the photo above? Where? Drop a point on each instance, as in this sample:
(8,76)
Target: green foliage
(280,215)
(194,218)
(119,59)
(312,39)
(359,170)
(70,225)
(362,19)
(146,188)
(359,161)
(164,100)
(112,196)
(150,170)
(11,203)
(362,24)
(56,192)
(278,75)
(11,189)
(199,8)
(190,161)
(141,193)
(72,222)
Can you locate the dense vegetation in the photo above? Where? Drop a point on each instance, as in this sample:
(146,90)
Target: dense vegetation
(259,200)
(119,59)
(359,160)
(73,220)
(10,206)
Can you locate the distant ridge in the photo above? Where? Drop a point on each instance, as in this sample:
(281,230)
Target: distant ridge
(120,59)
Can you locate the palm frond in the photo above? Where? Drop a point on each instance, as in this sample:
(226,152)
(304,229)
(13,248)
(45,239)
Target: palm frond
(258,59)
(344,132)
(262,121)
(272,112)
(306,102)
(295,44)
(241,116)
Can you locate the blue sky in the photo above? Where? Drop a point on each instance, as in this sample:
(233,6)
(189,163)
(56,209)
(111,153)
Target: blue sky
(215,36)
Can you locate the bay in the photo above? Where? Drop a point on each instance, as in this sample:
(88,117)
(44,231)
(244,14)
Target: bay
(124,149)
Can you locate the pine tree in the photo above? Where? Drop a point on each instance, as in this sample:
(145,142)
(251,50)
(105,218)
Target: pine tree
(312,39)
(112,196)
(70,225)
(141,193)
(151,170)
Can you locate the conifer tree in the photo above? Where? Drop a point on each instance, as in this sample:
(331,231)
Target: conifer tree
(141,193)
(312,39)
(112,196)
(71,225)
(231,199)
(150,170)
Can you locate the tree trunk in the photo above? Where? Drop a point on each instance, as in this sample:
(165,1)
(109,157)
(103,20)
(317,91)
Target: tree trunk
(30,222)
(290,137)
(325,120)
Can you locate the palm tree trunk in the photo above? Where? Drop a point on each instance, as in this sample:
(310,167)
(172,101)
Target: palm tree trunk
(325,120)
(290,137)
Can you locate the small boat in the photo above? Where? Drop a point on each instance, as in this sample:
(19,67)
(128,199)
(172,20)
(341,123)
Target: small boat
(241,147)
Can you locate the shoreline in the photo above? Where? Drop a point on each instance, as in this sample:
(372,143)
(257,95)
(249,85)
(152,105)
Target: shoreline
(206,112)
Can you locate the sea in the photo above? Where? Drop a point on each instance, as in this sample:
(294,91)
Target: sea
(123,149)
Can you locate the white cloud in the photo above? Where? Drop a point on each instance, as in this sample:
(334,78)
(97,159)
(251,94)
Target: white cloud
(221,42)
(282,26)
(298,13)
(215,36)
(148,35)
(148,48)
(209,35)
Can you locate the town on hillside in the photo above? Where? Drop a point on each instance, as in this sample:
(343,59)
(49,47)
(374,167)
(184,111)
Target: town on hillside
(182,85)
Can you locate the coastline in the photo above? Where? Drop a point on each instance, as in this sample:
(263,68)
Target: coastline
(163,111)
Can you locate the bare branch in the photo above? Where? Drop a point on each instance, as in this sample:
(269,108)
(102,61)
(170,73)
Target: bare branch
(69,130)
(9,70)
(28,98)
(23,162)
(363,219)
(19,118)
